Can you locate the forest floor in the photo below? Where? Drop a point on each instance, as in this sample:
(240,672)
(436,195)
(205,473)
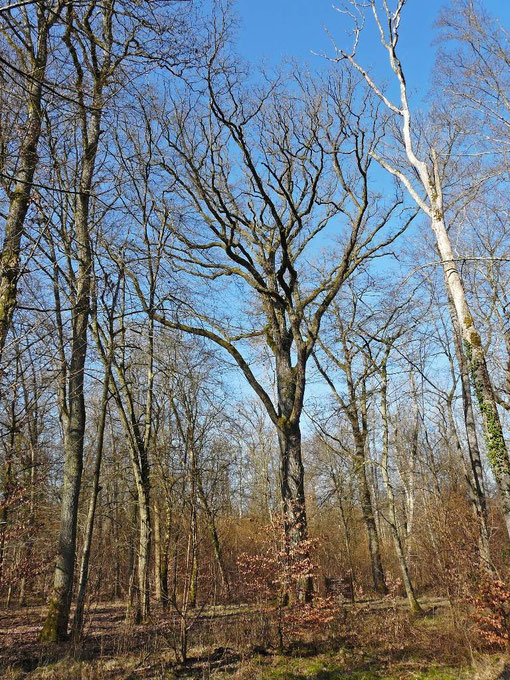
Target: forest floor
(388,644)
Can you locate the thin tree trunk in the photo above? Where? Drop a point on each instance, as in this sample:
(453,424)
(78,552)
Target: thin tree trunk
(193,585)
(158,590)
(132,610)
(73,409)
(474,471)
(360,471)
(89,528)
(218,553)
(399,548)
(166,557)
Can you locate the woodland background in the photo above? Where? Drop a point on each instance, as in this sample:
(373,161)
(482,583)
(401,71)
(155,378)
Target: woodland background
(255,347)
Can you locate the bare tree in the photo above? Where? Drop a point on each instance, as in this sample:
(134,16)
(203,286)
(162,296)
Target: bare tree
(28,33)
(256,182)
(428,171)
(356,370)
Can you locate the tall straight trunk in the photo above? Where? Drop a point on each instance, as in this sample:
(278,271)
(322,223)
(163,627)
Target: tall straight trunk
(4,515)
(292,476)
(116,541)
(73,408)
(165,556)
(360,470)
(158,590)
(193,585)
(132,611)
(144,549)
(392,514)
(9,481)
(89,527)
(55,626)
(474,470)
(32,412)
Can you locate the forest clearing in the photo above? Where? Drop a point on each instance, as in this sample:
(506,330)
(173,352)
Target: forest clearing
(254,339)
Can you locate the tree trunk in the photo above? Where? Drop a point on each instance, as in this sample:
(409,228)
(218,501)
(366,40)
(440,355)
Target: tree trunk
(474,471)
(292,476)
(26,165)
(397,540)
(144,550)
(193,587)
(360,470)
(218,554)
(158,590)
(293,498)
(73,412)
(132,610)
(497,451)
(165,559)
(55,626)
(89,528)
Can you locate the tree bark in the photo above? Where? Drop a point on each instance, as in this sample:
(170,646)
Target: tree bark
(165,557)
(215,539)
(89,527)
(473,469)
(193,585)
(360,469)
(73,412)
(158,590)
(397,540)
(19,199)
(292,477)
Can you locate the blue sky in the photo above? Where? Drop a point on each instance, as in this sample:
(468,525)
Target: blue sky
(274,29)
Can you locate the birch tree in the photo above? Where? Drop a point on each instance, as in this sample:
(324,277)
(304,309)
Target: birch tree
(421,172)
